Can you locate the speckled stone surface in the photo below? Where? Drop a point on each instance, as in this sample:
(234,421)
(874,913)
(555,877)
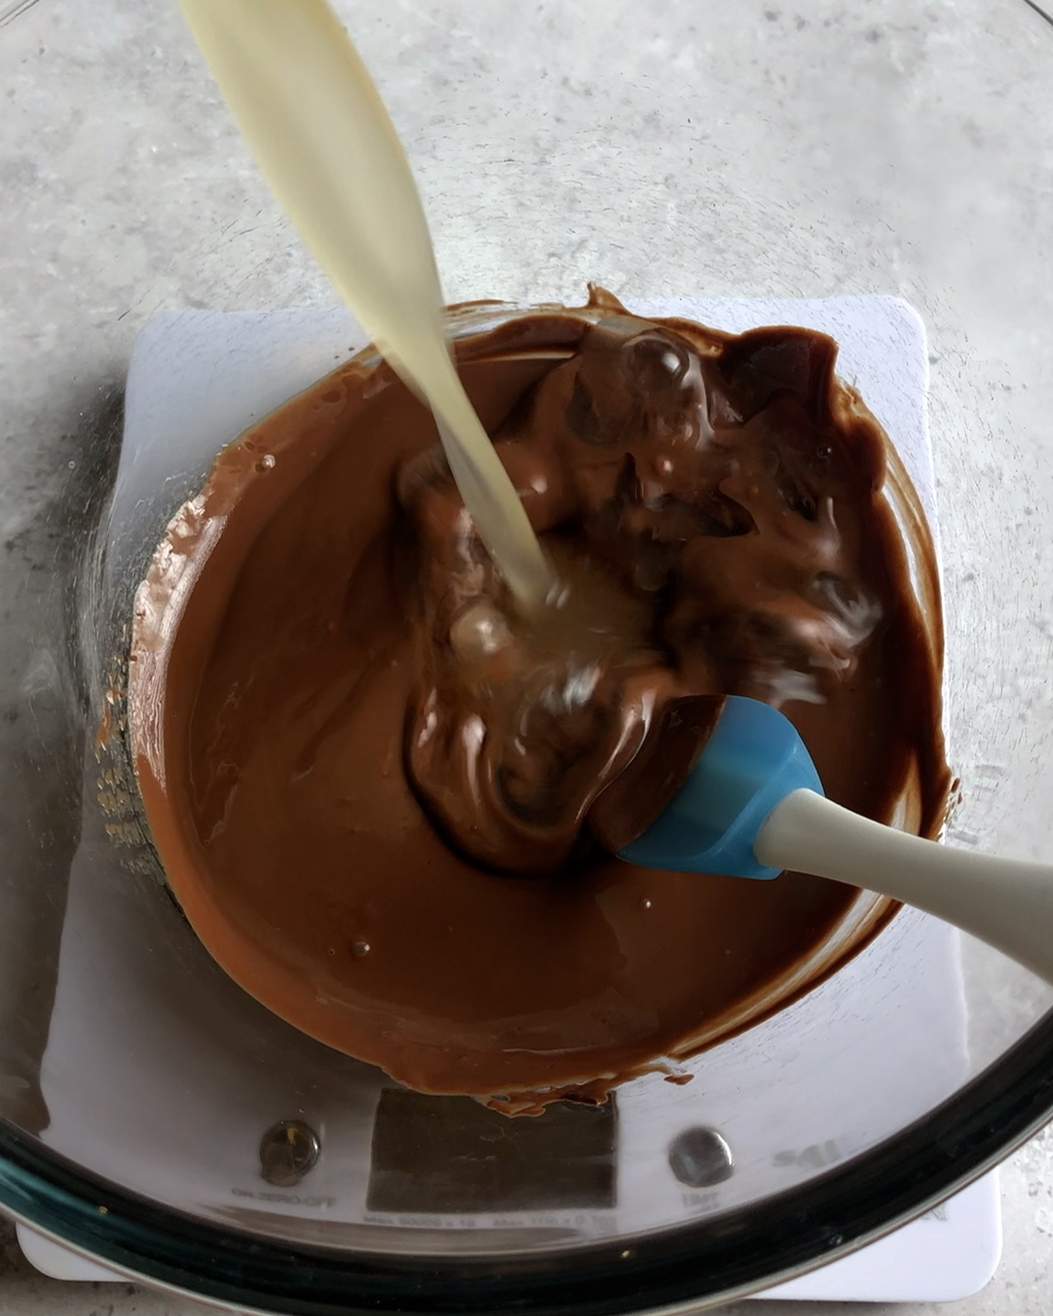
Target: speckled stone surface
(802,148)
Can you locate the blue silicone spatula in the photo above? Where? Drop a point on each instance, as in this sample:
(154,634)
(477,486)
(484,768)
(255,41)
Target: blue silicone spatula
(754,806)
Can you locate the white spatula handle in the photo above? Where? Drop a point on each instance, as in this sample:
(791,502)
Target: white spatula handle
(1006,902)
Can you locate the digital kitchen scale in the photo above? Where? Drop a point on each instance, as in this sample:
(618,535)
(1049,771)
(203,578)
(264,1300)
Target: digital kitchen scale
(118,1041)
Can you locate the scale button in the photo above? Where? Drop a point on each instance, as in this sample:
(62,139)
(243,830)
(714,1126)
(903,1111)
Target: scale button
(701,1157)
(287,1151)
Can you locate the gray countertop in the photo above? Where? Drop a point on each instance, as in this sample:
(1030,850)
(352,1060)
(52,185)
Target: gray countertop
(570,128)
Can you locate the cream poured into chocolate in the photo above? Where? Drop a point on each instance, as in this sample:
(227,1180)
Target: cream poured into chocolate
(387,802)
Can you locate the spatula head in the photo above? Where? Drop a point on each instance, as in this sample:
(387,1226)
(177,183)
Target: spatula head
(752,761)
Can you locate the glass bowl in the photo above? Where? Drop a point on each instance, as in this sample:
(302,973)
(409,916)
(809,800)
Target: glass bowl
(151,1114)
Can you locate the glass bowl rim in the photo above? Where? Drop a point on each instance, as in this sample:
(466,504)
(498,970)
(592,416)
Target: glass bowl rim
(692,1265)
(698,1263)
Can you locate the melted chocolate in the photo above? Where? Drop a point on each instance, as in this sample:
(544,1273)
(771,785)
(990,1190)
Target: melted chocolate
(345,735)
